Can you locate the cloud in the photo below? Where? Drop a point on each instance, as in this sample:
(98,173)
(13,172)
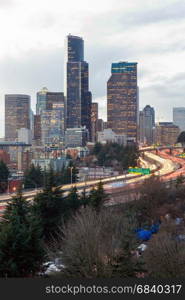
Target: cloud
(149,32)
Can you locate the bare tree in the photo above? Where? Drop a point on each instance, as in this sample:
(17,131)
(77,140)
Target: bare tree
(165,255)
(98,245)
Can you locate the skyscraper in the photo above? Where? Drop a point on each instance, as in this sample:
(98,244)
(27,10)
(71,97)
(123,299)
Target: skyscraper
(17,115)
(94,120)
(78,96)
(45,100)
(179,117)
(122,100)
(41,100)
(146,125)
(52,125)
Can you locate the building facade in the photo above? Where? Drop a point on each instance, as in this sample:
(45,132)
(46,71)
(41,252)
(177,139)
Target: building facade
(52,125)
(146,125)
(166,133)
(76,137)
(77,94)
(94,121)
(107,135)
(37,129)
(25,135)
(41,100)
(179,117)
(122,100)
(17,115)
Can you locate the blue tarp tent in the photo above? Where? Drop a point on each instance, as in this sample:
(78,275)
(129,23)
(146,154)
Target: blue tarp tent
(144,234)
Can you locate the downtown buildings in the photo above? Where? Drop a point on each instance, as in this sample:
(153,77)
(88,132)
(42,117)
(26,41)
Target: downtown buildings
(17,115)
(179,117)
(76,85)
(146,125)
(122,100)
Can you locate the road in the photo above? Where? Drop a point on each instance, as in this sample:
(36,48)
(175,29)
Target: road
(150,160)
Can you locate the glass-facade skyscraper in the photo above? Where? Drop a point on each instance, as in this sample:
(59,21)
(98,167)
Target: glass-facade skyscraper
(179,117)
(146,125)
(17,115)
(122,100)
(77,95)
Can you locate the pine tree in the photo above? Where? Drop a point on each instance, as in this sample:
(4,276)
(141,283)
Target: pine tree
(33,177)
(21,250)
(48,207)
(72,203)
(84,198)
(98,197)
(4,173)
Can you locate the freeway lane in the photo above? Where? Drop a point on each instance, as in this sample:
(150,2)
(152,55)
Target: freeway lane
(130,180)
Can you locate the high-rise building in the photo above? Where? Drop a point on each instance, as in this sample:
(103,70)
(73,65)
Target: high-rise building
(41,100)
(100,125)
(37,129)
(45,100)
(52,125)
(49,121)
(76,137)
(76,85)
(146,125)
(122,100)
(179,117)
(17,115)
(166,133)
(25,135)
(94,120)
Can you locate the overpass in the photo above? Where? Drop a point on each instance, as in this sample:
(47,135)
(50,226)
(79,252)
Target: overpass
(5,144)
(158,148)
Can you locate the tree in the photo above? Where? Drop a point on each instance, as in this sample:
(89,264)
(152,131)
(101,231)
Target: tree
(153,194)
(33,177)
(97,148)
(21,249)
(4,173)
(84,198)
(165,255)
(97,197)
(72,203)
(92,245)
(48,208)
(181,139)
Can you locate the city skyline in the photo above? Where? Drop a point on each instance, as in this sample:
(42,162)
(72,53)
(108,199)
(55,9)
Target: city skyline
(32,51)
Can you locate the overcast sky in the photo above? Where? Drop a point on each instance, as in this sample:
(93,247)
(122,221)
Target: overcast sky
(150,32)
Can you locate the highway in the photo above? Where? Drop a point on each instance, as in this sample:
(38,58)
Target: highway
(158,165)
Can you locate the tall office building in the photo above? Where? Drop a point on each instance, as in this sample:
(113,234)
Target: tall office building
(50,117)
(52,125)
(122,100)
(179,117)
(41,100)
(17,115)
(76,85)
(166,133)
(94,120)
(146,125)
(45,100)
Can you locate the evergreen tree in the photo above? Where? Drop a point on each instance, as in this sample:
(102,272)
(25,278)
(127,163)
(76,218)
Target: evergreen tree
(4,173)
(84,198)
(21,252)
(97,197)
(72,203)
(33,177)
(48,208)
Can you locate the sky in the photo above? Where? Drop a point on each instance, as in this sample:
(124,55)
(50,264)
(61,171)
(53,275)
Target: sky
(150,32)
